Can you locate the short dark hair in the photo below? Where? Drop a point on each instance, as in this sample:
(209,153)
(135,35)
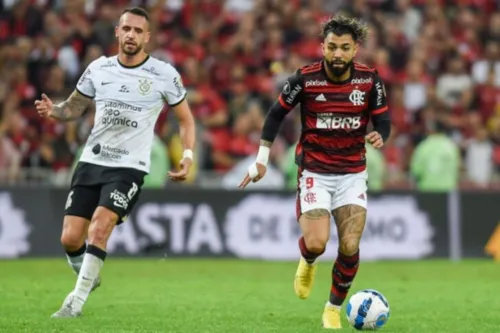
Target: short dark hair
(341,25)
(137,11)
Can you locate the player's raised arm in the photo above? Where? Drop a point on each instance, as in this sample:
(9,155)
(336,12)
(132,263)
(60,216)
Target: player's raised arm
(77,102)
(68,110)
(288,98)
(379,115)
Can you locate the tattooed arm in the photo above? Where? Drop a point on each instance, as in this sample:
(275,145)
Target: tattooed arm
(68,110)
(266,143)
(71,108)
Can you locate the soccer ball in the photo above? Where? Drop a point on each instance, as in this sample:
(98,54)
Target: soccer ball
(367,310)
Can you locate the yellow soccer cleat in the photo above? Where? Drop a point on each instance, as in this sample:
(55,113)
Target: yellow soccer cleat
(331,317)
(304,278)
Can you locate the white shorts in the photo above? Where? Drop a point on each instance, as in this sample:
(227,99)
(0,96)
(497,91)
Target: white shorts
(330,191)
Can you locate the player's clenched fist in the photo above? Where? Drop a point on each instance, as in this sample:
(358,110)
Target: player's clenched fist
(44,106)
(375,139)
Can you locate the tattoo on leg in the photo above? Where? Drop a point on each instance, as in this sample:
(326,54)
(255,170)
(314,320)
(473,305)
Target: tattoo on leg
(350,222)
(316,214)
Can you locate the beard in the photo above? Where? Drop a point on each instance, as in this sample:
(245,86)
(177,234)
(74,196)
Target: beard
(131,50)
(337,70)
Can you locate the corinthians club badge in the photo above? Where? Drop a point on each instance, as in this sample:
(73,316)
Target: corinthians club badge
(145,86)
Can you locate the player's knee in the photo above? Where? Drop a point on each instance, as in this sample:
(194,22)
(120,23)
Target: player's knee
(316,229)
(71,240)
(348,247)
(316,243)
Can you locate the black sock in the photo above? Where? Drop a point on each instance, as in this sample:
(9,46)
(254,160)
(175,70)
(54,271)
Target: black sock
(78,252)
(99,253)
(343,273)
(306,254)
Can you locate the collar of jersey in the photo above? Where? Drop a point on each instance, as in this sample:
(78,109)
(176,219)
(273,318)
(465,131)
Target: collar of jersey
(135,66)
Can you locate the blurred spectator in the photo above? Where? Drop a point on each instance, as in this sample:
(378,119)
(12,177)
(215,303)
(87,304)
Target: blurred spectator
(289,168)
(490,62)
(234,57)
(435,164)
(479,158)
(454,87)
(375,164)
(10,161)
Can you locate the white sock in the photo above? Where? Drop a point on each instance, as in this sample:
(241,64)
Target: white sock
(76,261)
(88,273)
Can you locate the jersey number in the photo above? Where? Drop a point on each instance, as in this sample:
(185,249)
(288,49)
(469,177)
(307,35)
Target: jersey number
(309,183)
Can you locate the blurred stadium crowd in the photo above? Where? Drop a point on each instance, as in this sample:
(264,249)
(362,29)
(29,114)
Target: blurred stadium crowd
(440,61)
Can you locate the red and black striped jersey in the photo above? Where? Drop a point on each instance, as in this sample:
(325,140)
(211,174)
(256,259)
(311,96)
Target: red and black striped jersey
(334,116)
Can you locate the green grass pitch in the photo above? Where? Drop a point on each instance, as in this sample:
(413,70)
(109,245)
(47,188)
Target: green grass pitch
(187,295)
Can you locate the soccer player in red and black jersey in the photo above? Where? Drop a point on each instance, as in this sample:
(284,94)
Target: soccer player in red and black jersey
(338,98)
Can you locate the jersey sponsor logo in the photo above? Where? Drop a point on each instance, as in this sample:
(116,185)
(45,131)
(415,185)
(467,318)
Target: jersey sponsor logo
(109,152)
(316,83)
(179,87)
(293,94)
(120,200)
(151,70)
(357,97)
(362,81)
(145,86)
(380,93)
(121,121)
(112,117)
(108,64)
(105,83)
(122,106)
(85,75)
(330,121)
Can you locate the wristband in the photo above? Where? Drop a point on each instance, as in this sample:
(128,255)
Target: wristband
(263,155)
(188,153)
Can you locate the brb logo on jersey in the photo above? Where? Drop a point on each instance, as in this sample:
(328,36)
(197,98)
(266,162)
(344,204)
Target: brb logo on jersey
(330,121)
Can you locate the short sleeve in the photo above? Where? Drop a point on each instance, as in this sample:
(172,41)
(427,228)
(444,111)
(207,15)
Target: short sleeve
(173,90)
(85,85)
(378,99)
